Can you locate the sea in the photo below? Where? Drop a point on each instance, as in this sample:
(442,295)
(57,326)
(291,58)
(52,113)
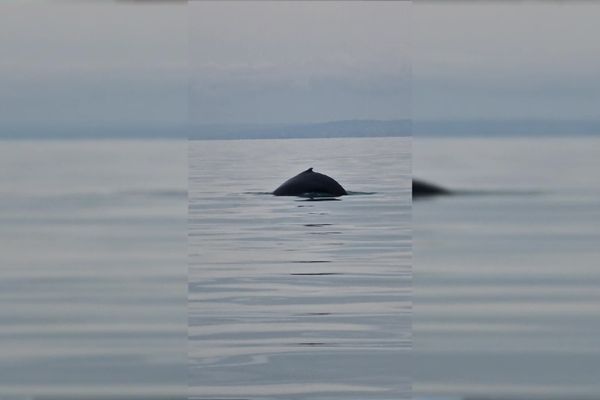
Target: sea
(158,269)
(93,269)
(506,271)
(293,298)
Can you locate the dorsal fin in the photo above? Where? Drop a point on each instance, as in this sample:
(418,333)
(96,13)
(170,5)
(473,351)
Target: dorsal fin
(309,170)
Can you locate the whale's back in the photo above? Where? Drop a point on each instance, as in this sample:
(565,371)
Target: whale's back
(309,183)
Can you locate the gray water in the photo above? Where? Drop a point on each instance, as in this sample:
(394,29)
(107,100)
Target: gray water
(93,269)
(506,275)
(296,299)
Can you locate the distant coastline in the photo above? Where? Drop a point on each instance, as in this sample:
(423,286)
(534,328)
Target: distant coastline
(332,129)
(508,127)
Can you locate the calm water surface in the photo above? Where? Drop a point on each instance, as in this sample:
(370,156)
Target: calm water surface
(93,269)
(296,299)
(506,275)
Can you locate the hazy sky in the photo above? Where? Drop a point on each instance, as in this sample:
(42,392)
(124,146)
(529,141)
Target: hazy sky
(509,59)
(92,63)
(232,62)
(266,62)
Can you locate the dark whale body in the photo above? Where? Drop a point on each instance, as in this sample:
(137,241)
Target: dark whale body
(426,189)
(310,183)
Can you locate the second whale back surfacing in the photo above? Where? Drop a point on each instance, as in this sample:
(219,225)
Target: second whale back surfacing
(422,189)
(310,183)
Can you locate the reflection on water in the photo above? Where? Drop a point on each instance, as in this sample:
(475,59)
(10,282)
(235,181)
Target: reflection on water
(92,270)
(506,277)
(299,301)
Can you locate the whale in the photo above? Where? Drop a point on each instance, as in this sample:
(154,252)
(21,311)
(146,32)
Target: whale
(422,189)
(310,184)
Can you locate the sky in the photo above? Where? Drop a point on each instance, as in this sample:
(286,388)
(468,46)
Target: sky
(163,64)
(298,62)
(71,64)
(506,60)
